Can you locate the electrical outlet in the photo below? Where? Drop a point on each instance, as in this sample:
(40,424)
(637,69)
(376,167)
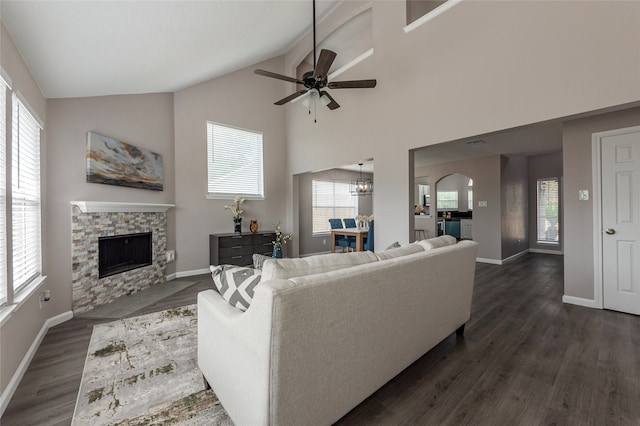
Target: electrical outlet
(171,256)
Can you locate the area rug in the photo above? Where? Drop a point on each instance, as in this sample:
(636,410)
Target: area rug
(143,371)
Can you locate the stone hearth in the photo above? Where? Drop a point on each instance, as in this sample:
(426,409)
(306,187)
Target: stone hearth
(89,222)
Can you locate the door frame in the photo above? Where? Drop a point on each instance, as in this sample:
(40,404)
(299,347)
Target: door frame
(596,170)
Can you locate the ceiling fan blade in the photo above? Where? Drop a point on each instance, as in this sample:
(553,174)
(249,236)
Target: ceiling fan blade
(353,84)
(332,102)
(278,76)
(324,63)
(291,97)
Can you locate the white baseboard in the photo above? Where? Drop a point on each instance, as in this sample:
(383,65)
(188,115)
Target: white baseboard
(492,261)
(515,256)
(542,251)
(572,300)
(22,368)
(189,273)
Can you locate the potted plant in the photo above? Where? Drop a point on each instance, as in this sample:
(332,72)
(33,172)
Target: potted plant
(277,243)
(236,212)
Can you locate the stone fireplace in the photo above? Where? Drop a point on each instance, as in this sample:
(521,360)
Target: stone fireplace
(91,221)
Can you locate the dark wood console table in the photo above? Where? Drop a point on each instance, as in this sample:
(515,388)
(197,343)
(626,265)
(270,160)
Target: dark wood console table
(238,248)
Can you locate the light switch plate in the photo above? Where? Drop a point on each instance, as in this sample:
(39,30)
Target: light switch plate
(583,194)
(482,204)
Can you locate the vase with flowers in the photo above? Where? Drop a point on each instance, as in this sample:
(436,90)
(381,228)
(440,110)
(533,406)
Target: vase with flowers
(236,211)
(277,243)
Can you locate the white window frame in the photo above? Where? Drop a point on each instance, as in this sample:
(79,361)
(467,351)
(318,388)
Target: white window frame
(544,226)
(320,226)
(20,265)
(25,197)
(4,290)
(235,163)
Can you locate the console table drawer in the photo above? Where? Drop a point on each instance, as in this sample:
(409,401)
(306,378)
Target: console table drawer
(236,251)
(234,241)
(240,260)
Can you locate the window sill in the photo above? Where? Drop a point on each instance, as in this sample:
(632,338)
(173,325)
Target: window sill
(232,196)
(548,243)
(21,297)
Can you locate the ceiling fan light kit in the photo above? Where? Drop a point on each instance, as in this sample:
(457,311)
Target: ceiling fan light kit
(317,80)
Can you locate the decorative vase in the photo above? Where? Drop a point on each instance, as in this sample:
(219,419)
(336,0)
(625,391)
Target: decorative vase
(277,252)
(237,224)
(253,226)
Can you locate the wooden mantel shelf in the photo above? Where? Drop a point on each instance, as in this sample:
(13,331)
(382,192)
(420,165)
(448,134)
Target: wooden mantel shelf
(111,206)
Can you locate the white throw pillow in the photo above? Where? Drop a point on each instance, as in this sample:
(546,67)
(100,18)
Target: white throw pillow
(236,284)
(399,251)
(441,241)
(289,268)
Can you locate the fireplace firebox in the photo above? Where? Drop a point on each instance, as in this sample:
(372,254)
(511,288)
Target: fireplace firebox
(121,253)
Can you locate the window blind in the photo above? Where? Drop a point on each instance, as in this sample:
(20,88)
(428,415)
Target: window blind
(25,197)
(3,192)
(331,200)
(234,162)
(447,199)
(547,209)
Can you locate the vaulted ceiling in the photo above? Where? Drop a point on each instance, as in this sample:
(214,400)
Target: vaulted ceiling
(78,48)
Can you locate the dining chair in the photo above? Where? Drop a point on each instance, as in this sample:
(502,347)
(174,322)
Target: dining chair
(340,240)
(368,240)
(349,222)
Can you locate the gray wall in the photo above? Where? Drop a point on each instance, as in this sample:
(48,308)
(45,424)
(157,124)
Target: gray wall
(430,91)
(485,173)
(241,99)
(141,120)
(540,167)
(19,331)
(578,215)
(307,242)
(514,208)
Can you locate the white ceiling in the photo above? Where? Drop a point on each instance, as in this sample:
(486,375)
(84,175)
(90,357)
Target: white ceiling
(78,48)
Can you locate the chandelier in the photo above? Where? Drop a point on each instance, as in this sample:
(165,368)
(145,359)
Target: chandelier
(360,185)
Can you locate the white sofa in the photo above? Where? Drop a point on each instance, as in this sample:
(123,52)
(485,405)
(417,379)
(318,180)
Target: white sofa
(310,348)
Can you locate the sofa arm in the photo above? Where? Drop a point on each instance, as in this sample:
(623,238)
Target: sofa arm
(234,350)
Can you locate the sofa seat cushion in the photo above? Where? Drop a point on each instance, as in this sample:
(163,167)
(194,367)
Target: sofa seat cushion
(236,284)
(289,268)
(441,241)
(399,251)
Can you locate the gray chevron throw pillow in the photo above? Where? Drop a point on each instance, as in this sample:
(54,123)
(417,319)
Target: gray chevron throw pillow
(236,284)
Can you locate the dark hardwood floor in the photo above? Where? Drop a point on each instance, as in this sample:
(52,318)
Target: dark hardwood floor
(525,359)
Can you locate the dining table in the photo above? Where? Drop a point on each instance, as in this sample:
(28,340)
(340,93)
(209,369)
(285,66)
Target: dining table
(358,233)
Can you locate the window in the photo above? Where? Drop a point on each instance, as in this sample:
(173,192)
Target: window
(234,158)
(331,200)
(470,195)
(25,196)
(548,208)
(3,193)
(447,200)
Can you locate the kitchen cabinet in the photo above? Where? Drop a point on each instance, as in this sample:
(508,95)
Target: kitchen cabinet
(466,227)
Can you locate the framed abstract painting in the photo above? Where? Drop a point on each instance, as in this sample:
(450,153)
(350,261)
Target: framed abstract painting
(112,162)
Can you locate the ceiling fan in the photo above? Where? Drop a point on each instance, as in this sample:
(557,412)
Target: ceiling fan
(317,80)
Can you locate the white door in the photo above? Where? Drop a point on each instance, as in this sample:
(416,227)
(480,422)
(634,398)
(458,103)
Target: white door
(621,221)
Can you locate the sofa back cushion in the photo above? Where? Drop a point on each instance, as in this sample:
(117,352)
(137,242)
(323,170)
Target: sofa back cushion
(441,241)
(289,268)
(399,251)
